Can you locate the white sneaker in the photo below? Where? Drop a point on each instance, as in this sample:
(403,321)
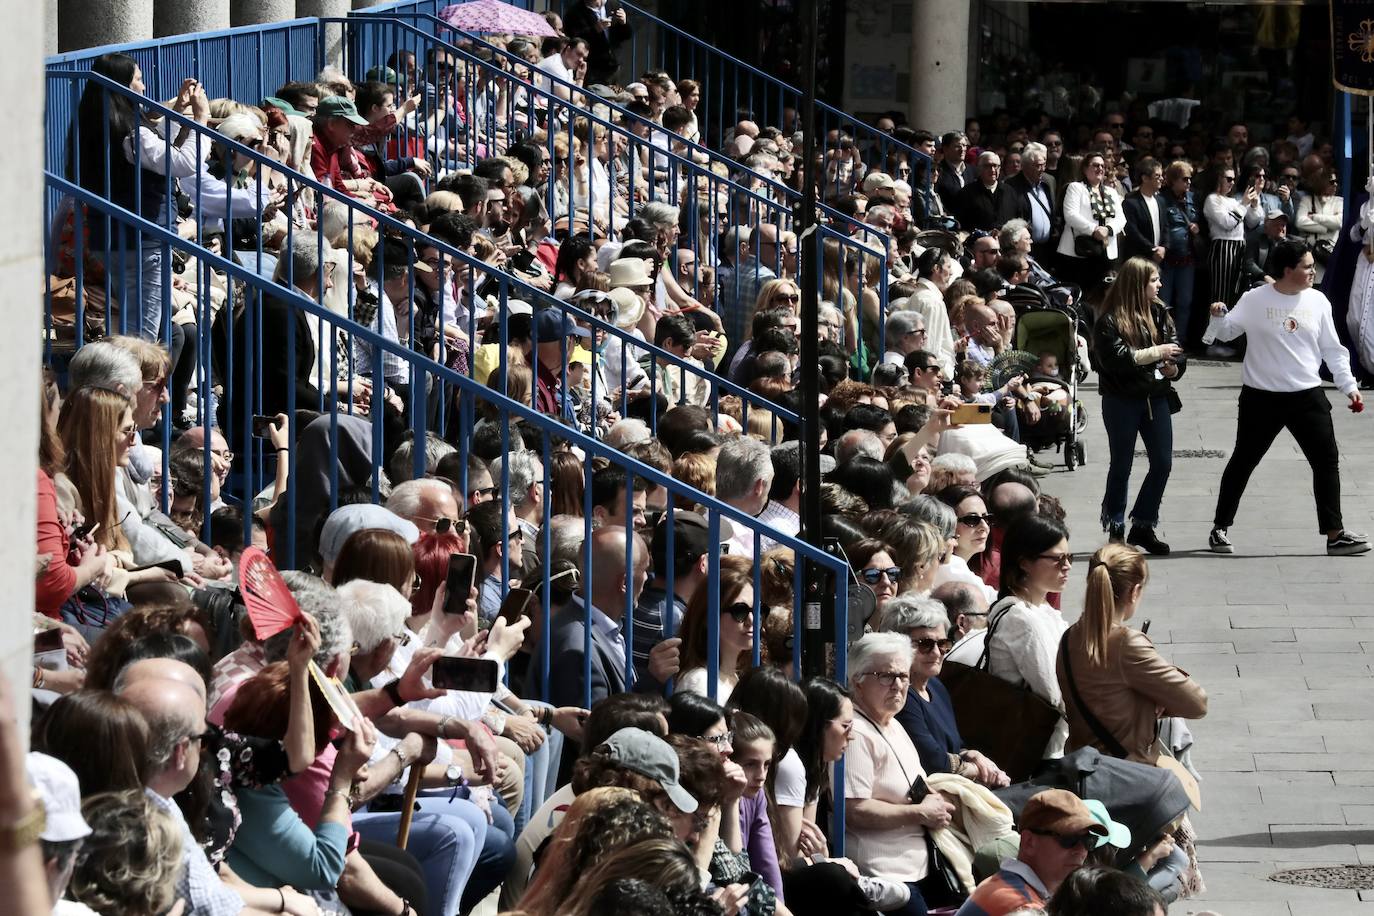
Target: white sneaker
(884,895)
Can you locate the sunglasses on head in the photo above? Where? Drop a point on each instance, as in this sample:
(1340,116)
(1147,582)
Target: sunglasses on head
(871,576)
(739,612)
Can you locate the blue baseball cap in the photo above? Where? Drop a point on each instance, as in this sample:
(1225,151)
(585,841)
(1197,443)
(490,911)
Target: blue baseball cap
(553,324)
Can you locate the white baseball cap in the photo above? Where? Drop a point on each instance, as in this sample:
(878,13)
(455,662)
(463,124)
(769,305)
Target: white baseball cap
(60,790)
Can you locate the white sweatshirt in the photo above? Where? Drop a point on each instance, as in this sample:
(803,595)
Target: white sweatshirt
(1288,337)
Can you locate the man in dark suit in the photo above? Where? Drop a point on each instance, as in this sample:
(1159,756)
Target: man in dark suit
(1034,197)
(583,20)
(982,203)
(950,172)
(606,594)
(1255,269)
(1144,235)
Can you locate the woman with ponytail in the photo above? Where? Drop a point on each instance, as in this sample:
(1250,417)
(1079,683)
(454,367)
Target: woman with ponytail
(1124,683)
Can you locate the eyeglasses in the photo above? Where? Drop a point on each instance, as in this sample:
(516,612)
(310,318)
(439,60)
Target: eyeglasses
(888,678)
(973,519)
(926,645)
(416,582)
(128,432)
(1062,560)
(872,576)
(1087,840)
(485,492)
(920,332)
(718,740)
(203,736)
(739,612)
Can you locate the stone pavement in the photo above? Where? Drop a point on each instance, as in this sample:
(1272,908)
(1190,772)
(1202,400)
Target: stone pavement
(1279,634)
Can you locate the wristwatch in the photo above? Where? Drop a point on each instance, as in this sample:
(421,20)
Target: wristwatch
(24,832)
(393,691)
(453,774)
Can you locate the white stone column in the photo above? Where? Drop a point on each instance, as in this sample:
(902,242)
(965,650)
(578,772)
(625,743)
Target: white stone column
(108,23)
(21,273)
(254,12)
(49,27)
(182,17)
(939,64)
(333,35)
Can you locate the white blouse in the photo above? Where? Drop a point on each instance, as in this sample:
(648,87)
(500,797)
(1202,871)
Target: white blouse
(1228,218)
(1023,649)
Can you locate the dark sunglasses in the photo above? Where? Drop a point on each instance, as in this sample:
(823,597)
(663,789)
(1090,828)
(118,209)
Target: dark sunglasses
(927,644)
(871,576)
(739,612)
(488,492)
(973,519)
(1087,840)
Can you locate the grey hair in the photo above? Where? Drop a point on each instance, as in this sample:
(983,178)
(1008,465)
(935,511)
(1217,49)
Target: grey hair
(334,219)
(987,154)
(405,497)
(1011,231)
(304,262)
(104,365)
(567,534)
(870,647)
(525,470)
(239,127)
(320,600)
(858,442)
(741,464)
(826,308)
(374,610)
(957,462)
(660,215)
(165,731)
(402,463)
(627,432)
(1035,150)
(901,322)
(936,514)
(879,208)
(905,613)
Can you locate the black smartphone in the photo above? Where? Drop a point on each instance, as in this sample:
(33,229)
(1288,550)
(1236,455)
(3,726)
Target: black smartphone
(516,602)
(262,425)
(49,640)
(83,531)
(918,791)
(1145,627)
(475,674)
(461,569)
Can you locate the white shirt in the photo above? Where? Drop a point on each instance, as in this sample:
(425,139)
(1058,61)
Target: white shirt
(956,570)
(554,66)
(789,784)
(694,680)
(1227,218)
(781,519)
(1023,651)
(1040,226)
(1152,205)
(1287,340)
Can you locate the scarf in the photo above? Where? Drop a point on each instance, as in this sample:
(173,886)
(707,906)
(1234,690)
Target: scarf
(1104,207)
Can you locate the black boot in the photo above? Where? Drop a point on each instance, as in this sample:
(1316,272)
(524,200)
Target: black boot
(1116,534)
(1143,537)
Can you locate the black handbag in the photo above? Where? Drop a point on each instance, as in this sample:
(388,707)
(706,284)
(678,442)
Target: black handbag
(1006,721)
(1085,246)
(1175,402)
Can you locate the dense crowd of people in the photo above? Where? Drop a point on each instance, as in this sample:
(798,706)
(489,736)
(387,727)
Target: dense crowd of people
(636,755)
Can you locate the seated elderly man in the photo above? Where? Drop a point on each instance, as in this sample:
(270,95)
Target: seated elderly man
(928,715)
(885,829)
(905,332)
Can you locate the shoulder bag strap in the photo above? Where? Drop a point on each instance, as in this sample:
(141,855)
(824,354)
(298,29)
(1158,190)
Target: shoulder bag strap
(1107,738)
(1005,604)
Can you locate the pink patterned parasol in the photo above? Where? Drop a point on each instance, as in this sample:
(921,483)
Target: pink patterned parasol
(494,16)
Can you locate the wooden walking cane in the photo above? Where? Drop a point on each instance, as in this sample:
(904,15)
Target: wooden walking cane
(408,805)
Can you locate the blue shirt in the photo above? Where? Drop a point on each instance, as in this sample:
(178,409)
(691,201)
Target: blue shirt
(932,726)
(199,884)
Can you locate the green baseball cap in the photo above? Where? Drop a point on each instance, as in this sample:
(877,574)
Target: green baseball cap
(384,75)
(1118,834)
(337,106)
(286,107)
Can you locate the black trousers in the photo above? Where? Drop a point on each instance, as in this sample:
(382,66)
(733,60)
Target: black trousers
(399,871)
(1305,414)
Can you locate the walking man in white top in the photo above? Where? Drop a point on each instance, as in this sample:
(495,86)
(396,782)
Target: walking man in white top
(1289,333)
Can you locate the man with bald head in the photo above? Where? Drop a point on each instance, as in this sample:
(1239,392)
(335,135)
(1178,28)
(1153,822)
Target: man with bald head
(1008,502)
(171,696)
(604,599)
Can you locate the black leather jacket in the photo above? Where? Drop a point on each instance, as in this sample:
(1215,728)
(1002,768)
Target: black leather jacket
(1118,372)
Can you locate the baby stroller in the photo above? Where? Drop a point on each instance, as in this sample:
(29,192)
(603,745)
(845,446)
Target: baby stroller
(1062,417)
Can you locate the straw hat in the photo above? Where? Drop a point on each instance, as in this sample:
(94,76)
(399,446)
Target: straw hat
(629,307)
(630,272)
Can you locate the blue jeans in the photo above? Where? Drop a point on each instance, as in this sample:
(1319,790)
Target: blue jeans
(444,837)
(136,280)
(1176,289)
(1125,419)
(541,772)
(497,855)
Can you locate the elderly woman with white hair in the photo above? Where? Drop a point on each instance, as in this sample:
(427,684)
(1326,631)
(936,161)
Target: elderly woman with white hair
(885,825)
(928,715)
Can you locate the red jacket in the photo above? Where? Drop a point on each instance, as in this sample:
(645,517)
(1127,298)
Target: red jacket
(59,580)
